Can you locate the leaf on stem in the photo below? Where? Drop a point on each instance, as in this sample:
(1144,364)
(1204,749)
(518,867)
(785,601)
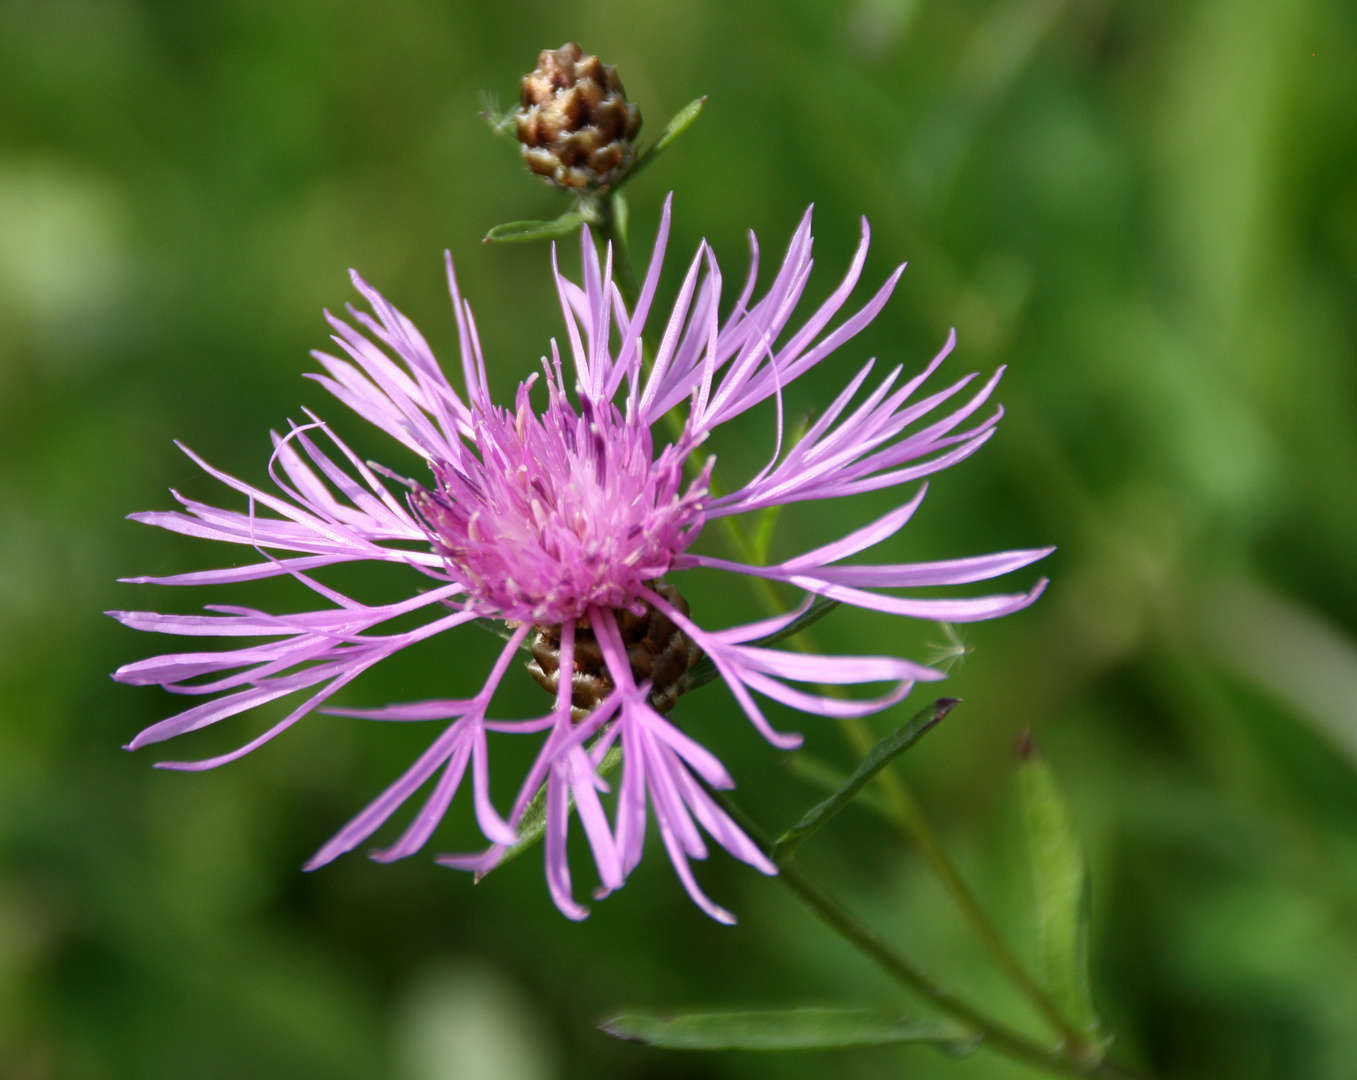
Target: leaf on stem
(881,755)
(793,1029)
(680,123)
(621,216)
(821,607)
(682,120)
(520,232)
(763,533)
(1060,884)
(819,773)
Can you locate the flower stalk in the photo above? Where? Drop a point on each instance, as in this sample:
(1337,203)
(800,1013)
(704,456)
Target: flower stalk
(909,816)
(998,1036)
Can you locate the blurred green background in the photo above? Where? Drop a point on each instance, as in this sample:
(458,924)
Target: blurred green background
(1148,210)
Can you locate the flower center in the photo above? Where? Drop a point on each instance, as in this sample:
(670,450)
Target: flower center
(554,514)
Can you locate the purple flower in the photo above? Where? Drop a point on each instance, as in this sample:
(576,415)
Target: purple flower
(562,523)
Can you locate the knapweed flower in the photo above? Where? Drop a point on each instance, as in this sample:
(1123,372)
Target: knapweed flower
(562,518)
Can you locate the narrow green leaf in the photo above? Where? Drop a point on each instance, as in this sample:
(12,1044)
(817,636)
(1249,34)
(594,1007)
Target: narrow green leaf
(701,673)
(806,766)
(682,120)
(534,822)
(763,533)
(621,216)
(819,608)
(1061,887)
(794,1029)
(520,232)
(881,755)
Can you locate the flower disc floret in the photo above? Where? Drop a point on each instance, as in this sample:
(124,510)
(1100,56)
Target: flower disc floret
(559,513)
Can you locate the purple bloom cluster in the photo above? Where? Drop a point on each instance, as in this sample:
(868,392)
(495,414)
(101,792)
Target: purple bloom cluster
(564,521)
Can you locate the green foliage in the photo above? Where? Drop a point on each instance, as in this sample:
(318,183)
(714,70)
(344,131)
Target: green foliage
(1060,882)
(819,773)
(881,755)
(682,120)
(621,215)
(793,1029)
(522,232)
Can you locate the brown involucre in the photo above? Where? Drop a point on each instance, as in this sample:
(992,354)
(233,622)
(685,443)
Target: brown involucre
(656,649)
(577,128)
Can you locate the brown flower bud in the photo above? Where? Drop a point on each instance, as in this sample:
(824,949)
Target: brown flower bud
(577,128)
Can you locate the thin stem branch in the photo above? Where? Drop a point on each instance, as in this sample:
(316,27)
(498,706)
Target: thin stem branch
(922,834)
(998,1036)
(909,815)
(611,234)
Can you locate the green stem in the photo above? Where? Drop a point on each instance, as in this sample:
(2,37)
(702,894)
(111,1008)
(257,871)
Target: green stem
(910,816)
(907,812)
(997,1036)
(609,233)
(937,858)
